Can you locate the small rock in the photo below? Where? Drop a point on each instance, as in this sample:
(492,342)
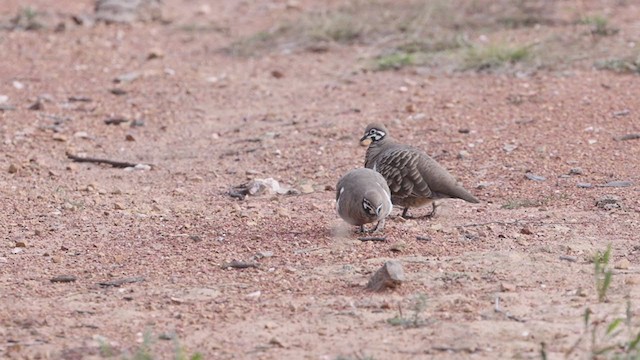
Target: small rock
(264,254)
(63,279)
(526,230)
(254,295)
(509,147)
(118,91)
(507,287)
(608,202)
(622,264)
(16,250)
(276,342)
(137,123)
(3,99)
(142,167)
(576,171)
(18,85)
(81,135)
(118,206)
(398,247)
(20,244)
(306,188)
(155,54)
(623,112)
(390,275)
(128,77)
(464,131)
(37,105)
(584,185)
(59,137)
(277,74)
(534,177)
(13,168)
(463,154)
(129,137)
(483,185)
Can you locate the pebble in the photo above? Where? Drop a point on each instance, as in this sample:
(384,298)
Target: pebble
(390,275)
(12,169)
(584,185)
(622,264)
(59,137)
(118,206)
(526,230)
(608,202)
(306,188)
(16,250)
(509,147)
(534,177)
(128,77)
(507,287)
(254,295)
(576,171)
(264,254)
(20,244)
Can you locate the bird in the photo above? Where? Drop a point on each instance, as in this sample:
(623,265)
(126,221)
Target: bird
(363,197)
(414,178)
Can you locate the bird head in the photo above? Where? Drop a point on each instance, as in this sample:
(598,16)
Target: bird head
(374,132)
(373,204)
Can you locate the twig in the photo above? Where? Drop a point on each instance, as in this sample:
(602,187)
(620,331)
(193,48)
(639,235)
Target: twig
(497,309)
(63,279)
(568,258)
(628,137)
(521,222)
(116,164)
(423,238)
(239,265)
(120,282)
(373,238)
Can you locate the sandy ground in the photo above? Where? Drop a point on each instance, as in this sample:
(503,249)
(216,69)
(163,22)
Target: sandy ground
(209,121)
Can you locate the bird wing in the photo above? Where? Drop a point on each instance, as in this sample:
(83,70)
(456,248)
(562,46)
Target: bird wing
(400,167)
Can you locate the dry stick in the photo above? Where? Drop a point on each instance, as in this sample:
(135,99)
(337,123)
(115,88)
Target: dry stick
(497,309)
(239,265)
(373,238)
(116,164)
(568,258)
(520,222)
(120,282)
(628,137)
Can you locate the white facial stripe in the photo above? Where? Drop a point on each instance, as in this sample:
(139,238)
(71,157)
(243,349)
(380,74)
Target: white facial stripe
(338,201)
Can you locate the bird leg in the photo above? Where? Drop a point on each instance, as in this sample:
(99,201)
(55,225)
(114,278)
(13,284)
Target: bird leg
(379,226)
(428,216)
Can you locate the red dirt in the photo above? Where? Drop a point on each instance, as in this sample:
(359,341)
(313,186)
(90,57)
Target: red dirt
(175,225)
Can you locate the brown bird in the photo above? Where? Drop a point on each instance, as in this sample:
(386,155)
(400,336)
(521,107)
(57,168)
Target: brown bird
(414,178)
(363,197)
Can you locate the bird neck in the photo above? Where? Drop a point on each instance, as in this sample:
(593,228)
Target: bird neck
(375,148)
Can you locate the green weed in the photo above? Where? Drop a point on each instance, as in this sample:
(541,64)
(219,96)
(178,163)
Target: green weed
(415,320)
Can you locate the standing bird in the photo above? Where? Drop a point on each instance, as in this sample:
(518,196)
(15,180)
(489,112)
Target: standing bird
(415,179)
(362,197)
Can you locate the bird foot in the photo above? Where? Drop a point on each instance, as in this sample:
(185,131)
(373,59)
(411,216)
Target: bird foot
(430,215)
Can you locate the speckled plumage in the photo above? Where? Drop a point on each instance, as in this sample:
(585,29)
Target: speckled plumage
(363,197)
(414,178)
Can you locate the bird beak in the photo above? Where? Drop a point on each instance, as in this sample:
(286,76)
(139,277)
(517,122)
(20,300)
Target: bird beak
(365,141)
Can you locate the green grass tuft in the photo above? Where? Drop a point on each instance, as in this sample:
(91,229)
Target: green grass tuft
(495,56)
